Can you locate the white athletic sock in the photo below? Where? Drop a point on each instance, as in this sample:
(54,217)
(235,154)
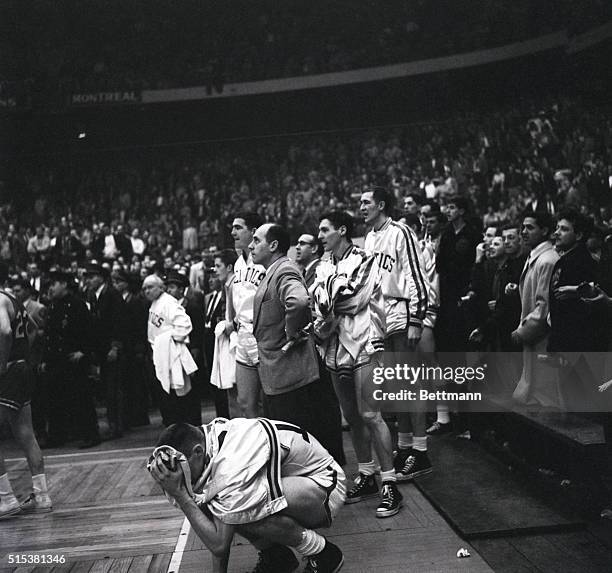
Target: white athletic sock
(404,440)
(389,475)
(420,444)
(5,486)
(443,413)
(311,544)
(367,468)
(39,483)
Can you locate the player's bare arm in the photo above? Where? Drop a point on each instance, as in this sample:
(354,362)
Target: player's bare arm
(6,335)
(216,535)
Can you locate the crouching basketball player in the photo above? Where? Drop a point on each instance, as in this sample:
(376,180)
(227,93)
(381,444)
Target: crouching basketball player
(269,481)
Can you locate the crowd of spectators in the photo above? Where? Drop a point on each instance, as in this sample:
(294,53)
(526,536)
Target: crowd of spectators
(170,204)
(486,192)
(71,47)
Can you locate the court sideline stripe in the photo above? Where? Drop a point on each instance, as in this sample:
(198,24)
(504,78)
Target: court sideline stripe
(82,454)
(179,549)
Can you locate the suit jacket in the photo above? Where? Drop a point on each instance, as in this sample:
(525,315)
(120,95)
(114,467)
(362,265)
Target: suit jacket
(310,274)
(215,313)
(124,245)
(68,330)
(108,324)
(281,309)
(135,320)
(193,303)
(575,326)
(212,316)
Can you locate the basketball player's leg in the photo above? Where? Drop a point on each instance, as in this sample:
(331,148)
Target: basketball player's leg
(305,509)
(412,459)
(360,434)
(23,432)
(248,388)
(370,413)
(8,502)
(308,507)
(20,422)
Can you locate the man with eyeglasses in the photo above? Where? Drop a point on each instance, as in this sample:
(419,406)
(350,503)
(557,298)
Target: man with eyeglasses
(308,257)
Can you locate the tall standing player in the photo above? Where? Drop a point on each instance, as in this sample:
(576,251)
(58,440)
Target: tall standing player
(240,295)
(405,290)
(349,328)
(16,386)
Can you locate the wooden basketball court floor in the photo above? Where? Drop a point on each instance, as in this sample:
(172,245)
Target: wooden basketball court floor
(109,516)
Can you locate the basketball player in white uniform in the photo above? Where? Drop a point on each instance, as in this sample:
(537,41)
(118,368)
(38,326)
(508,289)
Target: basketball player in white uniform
(269,481)
(241,291)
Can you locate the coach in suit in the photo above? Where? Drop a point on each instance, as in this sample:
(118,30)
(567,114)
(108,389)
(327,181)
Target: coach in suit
(288,367)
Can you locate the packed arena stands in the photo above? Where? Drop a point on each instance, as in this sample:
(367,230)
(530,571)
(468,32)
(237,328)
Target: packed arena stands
(502,160)
(136,203)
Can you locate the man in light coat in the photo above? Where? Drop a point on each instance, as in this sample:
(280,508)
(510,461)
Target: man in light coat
(538,382)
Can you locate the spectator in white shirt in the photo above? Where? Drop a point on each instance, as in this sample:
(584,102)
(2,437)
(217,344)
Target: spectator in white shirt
(138,245)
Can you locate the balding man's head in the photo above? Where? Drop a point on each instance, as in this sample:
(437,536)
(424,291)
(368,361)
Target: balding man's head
(153,287)
(270,241)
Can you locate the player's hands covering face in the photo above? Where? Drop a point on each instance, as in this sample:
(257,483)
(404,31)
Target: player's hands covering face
(173,482)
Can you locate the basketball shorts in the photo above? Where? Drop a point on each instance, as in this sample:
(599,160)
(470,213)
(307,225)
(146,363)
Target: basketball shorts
(16,385)
(246,349)
(333,481)
(339,360)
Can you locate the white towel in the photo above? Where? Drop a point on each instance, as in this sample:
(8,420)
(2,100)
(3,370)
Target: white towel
(173,364)
(223,374)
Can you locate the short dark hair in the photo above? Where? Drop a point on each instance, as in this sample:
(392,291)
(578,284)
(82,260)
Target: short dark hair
(182,437)
(511,225)
(543,219)
(459,202)
(382,194)
(435,212)
(580,222)
(228,257)
(417,199)
(277,233)
(340,219)
(251,220)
